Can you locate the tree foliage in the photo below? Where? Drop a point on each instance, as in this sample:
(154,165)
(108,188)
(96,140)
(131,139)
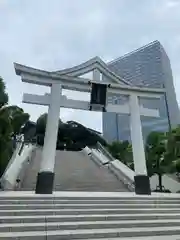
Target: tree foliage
(16,117)
(122,150)
(173,149)
(12,118)
(71,135)
(162,152)
(3,94)
(156,151)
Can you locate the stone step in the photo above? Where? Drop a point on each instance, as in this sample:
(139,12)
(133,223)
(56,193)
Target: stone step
(87,217)
(92,217)
(49,226)
(88,196)
(94,233)
(174,237)
(87,201)
(69,211)
(177,237)
(74,171)
(87,206)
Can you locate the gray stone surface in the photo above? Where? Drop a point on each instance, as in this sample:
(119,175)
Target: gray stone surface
(75,222)
(74,171)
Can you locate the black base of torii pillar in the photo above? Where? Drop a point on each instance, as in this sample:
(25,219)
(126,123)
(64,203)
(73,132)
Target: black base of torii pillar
(142,185)
(44,183)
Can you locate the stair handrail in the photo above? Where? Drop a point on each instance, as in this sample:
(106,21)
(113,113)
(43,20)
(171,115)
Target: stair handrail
(126,180)
(105,152)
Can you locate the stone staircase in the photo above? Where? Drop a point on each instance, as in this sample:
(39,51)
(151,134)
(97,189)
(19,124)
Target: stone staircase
(74,171)
(83,215)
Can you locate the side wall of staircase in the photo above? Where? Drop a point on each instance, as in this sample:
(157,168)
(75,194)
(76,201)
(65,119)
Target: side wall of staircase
(17,166)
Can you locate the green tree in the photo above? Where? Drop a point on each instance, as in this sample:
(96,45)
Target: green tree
(41,123)
(173,149)
(73,134)
(122,150)
(6,146)
(17,118)
(29,131)
(41,128)
(5,127)
(156,156)
(12,118)
(3,94)
(83,135)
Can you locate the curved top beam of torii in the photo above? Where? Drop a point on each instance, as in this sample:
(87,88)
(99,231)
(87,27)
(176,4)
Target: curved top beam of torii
(90,65)
(69,80)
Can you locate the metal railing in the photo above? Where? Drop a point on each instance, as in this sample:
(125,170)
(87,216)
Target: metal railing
(105,152)
(119,173)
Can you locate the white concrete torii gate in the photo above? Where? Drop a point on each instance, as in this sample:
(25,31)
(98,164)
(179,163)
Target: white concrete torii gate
(69,79)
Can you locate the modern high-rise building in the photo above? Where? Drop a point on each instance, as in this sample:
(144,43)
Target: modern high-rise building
(148,66)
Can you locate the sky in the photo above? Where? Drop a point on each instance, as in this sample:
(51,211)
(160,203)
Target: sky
(55,34)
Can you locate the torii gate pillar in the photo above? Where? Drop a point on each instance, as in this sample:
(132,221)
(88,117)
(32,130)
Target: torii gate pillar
(141,179)
(45,176)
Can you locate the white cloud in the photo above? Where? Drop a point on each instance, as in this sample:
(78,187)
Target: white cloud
(172,3)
